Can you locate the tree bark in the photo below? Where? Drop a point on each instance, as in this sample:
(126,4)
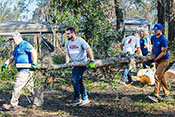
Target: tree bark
(101,63)
(161,10)
(98,63)
(171,22)
(119,15)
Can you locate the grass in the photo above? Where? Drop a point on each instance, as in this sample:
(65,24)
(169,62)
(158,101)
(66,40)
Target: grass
(107,96)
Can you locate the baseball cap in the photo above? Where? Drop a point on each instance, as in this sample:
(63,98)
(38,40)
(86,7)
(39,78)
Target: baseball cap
(15,35)
(158,27)
(135,31)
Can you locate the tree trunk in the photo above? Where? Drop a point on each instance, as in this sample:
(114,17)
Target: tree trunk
(98,63)
(161,10)
(171,22)
(119,15)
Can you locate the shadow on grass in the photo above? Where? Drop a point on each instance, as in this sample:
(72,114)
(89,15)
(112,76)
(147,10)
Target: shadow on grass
(102,104)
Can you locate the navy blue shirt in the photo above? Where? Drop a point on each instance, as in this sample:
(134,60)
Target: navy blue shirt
(158,43)
(142,44)
(22,54)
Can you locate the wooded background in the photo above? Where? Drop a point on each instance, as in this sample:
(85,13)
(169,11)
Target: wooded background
(94,16)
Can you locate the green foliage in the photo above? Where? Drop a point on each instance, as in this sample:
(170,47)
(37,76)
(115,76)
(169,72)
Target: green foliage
(91,16)
(9,73)
(114,84)
(6,86)
(5,114)
(58,59)
(101,86)
(5,51)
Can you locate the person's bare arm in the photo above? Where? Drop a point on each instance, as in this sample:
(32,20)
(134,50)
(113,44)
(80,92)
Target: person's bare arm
(90,53)
(67,58)
(10,60)
(121,46)
(145,45)
(34,56)
(152,49)
(163,53)
(139,51)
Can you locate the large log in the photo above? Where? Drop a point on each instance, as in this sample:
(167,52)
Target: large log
(101,63)
(170,73)
(106,62)
(98,63)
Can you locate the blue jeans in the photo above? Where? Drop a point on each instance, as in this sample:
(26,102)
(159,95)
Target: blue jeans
(77,82)
(126,74)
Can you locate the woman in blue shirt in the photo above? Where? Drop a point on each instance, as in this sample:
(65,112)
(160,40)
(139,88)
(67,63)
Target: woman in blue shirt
(144,47)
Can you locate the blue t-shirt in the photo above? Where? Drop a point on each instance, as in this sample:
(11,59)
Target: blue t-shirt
(22,54)
(144,50)
(158,43)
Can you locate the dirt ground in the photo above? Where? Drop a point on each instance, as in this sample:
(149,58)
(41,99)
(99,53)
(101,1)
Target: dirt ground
(107,99)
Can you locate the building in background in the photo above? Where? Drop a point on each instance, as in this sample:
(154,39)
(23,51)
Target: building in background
(138,24)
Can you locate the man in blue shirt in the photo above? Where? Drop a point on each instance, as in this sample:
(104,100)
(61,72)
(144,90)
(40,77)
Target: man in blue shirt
(160,49)
(23,53)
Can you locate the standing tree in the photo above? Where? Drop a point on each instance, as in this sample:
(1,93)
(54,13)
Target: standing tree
(119,15)
(90,16)
(161,12)
(171,22)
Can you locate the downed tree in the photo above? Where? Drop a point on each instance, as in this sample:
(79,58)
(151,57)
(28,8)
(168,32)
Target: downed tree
(98,63)
(107,62)
(170,73)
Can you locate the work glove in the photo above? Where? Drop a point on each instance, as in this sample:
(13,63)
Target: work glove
(151,61)
(34,66)
(4,66)
(91,65)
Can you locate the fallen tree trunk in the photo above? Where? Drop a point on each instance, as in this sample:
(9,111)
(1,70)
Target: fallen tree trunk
(101,63)
(170,73)
(98,63)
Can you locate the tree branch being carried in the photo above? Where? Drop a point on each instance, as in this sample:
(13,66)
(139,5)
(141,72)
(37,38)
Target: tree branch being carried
(98,63)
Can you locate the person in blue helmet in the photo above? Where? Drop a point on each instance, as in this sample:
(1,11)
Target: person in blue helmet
(160,49)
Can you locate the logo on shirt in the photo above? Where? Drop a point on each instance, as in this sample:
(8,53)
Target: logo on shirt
(73,47)
(129,41)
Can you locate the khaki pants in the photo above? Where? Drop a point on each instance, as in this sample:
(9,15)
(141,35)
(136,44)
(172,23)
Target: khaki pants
(160,79)
(25,79)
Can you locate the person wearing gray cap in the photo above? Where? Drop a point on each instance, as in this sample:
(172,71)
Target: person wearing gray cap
(23,53)
(129,44)
(160,49)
